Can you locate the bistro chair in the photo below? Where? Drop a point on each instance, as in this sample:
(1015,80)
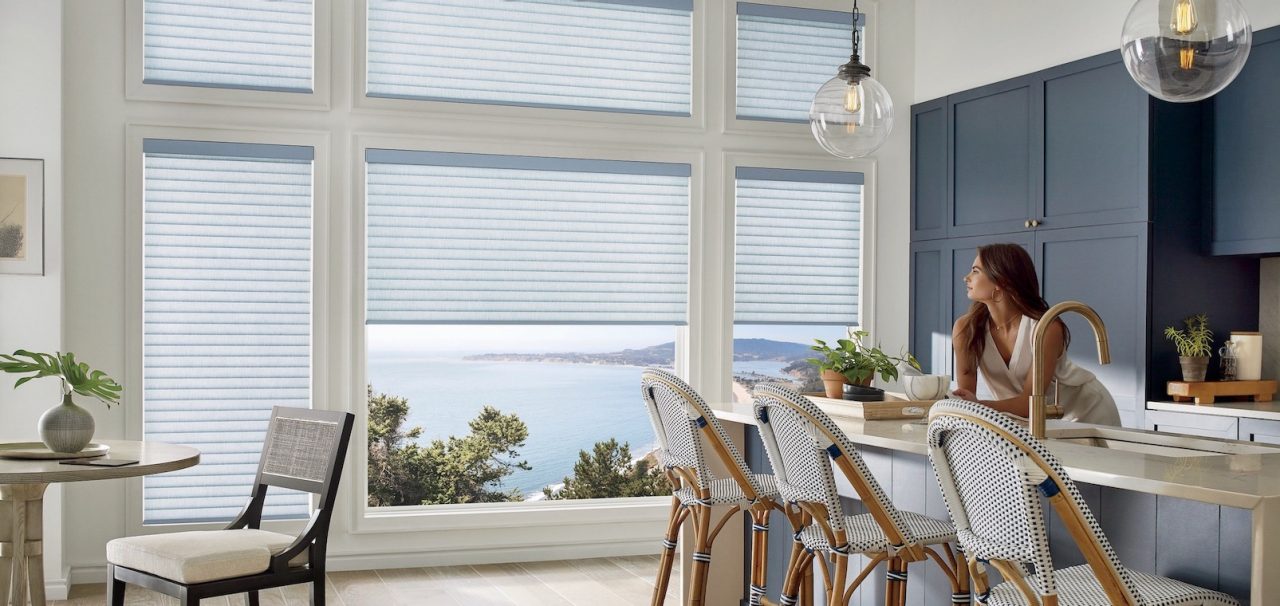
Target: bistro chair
(684,425)
(993,474)
(304,451)
(803,444)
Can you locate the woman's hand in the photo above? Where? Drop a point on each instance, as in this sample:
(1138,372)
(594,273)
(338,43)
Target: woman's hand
(964,394)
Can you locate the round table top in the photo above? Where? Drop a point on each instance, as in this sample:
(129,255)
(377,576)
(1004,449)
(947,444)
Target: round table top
(151,457)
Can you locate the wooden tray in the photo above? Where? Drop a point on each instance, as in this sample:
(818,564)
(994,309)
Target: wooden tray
(893,408)
(1204,392)
(37,450)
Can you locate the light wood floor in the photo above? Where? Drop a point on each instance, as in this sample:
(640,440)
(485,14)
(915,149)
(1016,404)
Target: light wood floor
(621,581)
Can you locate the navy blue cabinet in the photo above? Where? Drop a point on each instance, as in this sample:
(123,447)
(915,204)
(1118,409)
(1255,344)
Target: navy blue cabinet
(1246,146)
(929,170)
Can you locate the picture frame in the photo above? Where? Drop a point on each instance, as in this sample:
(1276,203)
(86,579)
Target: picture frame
(22,216)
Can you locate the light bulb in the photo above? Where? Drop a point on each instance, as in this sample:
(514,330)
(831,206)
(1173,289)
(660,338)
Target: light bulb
(1186,58)
(853,98)
(1184,19)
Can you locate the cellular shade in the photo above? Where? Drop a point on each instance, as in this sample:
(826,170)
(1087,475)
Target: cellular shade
(486,239)
(226,316)
(797,252)
(247,44)
(601,55)
(784,55)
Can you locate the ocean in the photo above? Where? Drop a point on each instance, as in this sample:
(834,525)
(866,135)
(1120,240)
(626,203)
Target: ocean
(567,407)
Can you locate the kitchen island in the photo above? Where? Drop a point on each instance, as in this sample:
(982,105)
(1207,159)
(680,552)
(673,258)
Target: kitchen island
(1211,520)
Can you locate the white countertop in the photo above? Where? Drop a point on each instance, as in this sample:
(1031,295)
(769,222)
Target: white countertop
(1243,481)
(1253,410)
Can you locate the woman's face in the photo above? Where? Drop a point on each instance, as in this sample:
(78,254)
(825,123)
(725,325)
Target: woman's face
(978,285)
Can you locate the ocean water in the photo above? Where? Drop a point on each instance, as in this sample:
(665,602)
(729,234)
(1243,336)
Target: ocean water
(567,407)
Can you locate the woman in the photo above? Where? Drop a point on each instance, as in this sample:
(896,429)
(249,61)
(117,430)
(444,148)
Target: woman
(994,339)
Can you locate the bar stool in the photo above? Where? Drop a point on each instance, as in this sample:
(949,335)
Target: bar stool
(992,473)
(802,443)
(683,422)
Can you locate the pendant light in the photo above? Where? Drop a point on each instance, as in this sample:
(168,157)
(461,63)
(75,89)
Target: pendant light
(852,114)
(1185,50)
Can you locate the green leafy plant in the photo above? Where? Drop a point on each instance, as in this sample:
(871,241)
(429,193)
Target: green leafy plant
(857,362)
(1196,340)
(76,376)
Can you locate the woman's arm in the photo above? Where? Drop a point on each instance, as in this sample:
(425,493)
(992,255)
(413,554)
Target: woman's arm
(966,366)
(1053,349)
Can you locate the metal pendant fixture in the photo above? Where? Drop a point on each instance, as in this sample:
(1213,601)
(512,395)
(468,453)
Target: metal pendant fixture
(852,114)
(1185,50)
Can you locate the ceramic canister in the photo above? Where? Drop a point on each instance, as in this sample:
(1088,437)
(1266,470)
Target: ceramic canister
(1248,346)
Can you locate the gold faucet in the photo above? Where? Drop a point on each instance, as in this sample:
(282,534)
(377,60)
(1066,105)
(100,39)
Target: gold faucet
(1039,382)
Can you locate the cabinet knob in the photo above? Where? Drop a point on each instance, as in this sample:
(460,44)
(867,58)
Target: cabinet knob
(1027,224)
(1033,223)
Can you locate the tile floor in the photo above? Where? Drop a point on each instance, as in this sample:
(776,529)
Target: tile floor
(622,581)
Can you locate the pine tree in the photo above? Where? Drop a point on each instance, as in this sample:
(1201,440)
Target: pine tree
(608,471)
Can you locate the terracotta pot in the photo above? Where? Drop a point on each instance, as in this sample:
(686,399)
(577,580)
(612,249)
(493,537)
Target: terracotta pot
(833,382)
(1194,368)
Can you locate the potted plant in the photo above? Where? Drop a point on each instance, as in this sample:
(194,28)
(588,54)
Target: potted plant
(64,428)
(1194,346)
(852,362)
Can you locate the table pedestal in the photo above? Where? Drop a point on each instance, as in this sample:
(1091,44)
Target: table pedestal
(21,545)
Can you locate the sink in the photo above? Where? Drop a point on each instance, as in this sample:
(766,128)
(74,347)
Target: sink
(1160,444)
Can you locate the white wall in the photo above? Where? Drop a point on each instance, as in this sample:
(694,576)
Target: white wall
(31,306)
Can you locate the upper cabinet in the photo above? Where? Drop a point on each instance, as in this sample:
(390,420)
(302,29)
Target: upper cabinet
(1245,148)
(1064,147)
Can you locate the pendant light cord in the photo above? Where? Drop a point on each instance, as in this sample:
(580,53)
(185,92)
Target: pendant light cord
(856,54)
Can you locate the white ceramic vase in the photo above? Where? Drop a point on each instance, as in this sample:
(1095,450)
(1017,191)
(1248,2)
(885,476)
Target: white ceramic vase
(66,427)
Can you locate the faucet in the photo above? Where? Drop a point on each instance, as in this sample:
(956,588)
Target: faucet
(1039,382)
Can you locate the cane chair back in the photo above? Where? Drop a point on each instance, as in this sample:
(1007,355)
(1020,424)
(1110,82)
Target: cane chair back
(802,443)
(992,473)
(681,421)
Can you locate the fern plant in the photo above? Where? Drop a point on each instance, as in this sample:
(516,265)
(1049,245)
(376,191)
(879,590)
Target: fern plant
(76,376)
(1196,341)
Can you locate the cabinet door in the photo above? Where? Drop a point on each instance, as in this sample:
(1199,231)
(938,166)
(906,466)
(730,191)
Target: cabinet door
(1258,430)
(1104,268)
(929,168)
(995,157)
(930,331)
(1246,143)
(1190,423)
(1095,145)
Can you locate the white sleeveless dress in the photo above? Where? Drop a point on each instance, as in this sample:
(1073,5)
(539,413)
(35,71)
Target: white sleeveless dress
(1082,395)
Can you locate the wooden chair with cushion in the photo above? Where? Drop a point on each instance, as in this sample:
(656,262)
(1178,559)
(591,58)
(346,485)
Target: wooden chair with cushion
(304,450)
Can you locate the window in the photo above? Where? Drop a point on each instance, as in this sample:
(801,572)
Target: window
(797,270)
(538,286)
(785,55)
(244,44)
(226,316)
(624,56)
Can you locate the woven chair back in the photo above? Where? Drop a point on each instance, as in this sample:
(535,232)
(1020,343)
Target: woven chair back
(303,448)
(992,474)
(684,425)
(802,442)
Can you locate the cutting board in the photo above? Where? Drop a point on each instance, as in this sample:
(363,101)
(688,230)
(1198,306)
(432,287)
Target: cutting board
(894,408)
(1204,392)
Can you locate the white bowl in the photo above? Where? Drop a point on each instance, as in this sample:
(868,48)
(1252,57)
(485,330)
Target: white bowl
(926,387)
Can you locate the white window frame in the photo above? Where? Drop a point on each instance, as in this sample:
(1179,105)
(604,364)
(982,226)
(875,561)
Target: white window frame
(135,89)
(133,285)
(745,126)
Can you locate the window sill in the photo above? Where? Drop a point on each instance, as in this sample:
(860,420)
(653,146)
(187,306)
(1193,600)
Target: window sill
(378,520)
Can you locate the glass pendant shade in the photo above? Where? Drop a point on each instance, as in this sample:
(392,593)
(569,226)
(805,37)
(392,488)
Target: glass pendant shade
(1185,50)
(851,120)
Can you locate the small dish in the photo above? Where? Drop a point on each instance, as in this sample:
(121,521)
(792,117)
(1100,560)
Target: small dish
(37,450)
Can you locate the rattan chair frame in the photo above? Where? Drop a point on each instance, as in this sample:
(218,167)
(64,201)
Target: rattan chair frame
(313,539)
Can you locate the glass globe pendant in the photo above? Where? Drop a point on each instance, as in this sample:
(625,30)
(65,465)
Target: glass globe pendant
(1185,50)
(852,114)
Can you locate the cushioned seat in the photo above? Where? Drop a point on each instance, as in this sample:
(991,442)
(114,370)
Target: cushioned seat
(201,556)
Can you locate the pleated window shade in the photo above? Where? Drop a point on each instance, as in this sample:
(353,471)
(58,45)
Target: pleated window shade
(226,316)
(797,252)
(488,239)
(785,55)
(612,55)
(245,44)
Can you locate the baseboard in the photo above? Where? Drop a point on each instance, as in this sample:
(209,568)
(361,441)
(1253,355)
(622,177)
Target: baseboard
(56,589)
(382,560)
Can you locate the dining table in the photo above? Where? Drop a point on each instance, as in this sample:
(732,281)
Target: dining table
(22,487)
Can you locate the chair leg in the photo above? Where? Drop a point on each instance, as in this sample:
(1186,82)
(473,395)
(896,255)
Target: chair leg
(317,588)
(798,569)
(701,554)
(251,598)
(186,598)
(668,553)
(838,577)
(759,555)
(115,587)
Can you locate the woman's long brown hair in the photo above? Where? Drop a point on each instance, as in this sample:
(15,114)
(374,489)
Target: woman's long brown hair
(1014,273)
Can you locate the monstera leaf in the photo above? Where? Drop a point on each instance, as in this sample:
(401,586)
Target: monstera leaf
(76,376)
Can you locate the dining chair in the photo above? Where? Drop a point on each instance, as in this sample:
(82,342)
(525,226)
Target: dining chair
(803,444)
(304,451)
(684,426)
(993,474)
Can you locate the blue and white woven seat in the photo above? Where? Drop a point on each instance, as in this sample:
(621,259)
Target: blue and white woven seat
(726,491)
(803,445)
(993,474)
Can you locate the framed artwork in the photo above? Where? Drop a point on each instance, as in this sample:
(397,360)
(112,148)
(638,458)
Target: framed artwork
(21,216)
